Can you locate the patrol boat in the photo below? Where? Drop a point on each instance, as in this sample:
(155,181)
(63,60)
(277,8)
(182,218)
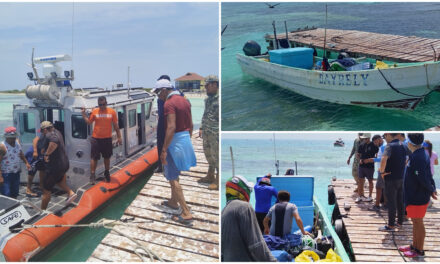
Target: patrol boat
(52,97)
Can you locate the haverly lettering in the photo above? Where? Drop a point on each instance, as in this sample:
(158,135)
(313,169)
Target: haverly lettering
(343,79)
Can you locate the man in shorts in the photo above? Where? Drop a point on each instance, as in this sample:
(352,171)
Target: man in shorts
(35,158)
(177,152)
(101,140)
(419,187)
(367,152)
(56,163)
(380,183)
(281,216)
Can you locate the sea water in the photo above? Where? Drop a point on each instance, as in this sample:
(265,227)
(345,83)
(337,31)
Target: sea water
(252,104)
(315,156)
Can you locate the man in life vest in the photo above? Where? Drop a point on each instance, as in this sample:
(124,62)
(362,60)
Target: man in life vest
(10,167)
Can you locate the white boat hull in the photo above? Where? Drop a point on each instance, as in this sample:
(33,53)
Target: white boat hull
(365,88)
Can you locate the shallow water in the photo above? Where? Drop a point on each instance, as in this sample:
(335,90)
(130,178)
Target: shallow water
(252,104)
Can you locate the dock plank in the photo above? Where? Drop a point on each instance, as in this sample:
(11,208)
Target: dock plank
(155,228)
(371,245)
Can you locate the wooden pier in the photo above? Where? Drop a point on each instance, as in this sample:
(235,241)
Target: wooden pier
(370,244)
(168,239)
(374,45)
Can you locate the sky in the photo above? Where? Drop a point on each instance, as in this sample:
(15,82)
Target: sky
(150,38)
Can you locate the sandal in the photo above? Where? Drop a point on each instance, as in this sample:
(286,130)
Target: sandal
(386,228)
(166,204)
(31,195)
(183,221)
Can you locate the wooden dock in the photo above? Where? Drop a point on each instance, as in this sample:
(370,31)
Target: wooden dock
(370,244)
(374,45)
(168,239)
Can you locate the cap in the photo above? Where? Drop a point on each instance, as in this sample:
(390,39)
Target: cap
(265,180)
(45,124)
(211,78)
(237,187)
(166,77)
(366,135)
(10,132)
(161,84)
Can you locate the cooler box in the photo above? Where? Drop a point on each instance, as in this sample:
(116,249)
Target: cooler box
(301,194)
(294,57)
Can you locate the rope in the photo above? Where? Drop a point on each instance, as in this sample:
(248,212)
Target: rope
(394,239)
(109,224)
(411,95)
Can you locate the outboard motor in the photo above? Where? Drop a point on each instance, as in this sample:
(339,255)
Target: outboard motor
(252,48)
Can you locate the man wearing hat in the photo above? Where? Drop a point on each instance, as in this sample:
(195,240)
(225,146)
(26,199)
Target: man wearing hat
(177,153)
(392,169)
(209,131)
(242,240)
(10,168)
(56,163)
(366,152)
(264,191)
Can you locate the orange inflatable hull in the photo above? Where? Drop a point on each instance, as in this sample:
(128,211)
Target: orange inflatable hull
(30,241)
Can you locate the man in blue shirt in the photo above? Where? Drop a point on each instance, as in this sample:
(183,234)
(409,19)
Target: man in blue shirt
(392,168)
(263,199)
(419,186)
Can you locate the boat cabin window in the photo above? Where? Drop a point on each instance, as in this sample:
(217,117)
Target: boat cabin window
(147,110)
(132,118)
(121,118)
(79,127)
(26,127)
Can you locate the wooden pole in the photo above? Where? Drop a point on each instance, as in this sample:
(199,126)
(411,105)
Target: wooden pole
(325,31)
(275,34)
(287,33)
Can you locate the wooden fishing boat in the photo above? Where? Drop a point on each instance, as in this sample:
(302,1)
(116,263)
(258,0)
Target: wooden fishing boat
(410,75)
(52,98)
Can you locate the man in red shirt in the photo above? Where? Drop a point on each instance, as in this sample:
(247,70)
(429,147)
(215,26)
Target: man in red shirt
(177,152)
(101,141)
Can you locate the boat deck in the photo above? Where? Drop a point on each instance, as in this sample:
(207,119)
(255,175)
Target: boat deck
(370,244)
(168,239)
(374,45)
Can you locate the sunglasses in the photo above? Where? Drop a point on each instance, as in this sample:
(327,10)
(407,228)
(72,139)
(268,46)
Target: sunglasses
(104,104)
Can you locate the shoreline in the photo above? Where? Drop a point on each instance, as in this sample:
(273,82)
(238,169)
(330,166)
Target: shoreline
(190,95)
(6,93)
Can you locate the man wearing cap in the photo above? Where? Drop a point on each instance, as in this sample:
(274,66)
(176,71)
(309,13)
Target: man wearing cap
(366,152)
(10,168)
(101,141)
(160,125)
(177,152)
(264,192)
(209,131)
(392,168)
(419,186)
(355,166)
(56,163)
(242,240)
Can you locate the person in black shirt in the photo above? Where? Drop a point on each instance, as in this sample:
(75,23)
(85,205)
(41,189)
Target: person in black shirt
(366,152)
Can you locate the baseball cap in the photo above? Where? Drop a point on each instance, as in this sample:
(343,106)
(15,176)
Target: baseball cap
(10,132)
(366,135)
(45,124)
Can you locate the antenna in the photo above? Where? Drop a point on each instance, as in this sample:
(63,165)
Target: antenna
(33,67)
(277,162)
(128,80)
(325,30)
(232,159)
(73,20)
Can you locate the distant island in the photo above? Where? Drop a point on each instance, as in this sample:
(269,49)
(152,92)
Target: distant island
(14,91)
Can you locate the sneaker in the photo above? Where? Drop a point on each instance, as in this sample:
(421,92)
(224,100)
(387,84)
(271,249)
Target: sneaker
(405,248)
(107,176)
(386,228)
(92,178)
(358,200)
(369,199)
(71,198)
(414,254)
(375,208)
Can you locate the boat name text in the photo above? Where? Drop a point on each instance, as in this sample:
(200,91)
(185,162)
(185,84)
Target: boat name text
(11,217)
(344,79)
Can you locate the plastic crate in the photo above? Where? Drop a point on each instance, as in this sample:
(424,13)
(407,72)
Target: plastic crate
(293,57)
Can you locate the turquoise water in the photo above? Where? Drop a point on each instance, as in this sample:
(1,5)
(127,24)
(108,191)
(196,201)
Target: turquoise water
(314,153)
(252,104)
